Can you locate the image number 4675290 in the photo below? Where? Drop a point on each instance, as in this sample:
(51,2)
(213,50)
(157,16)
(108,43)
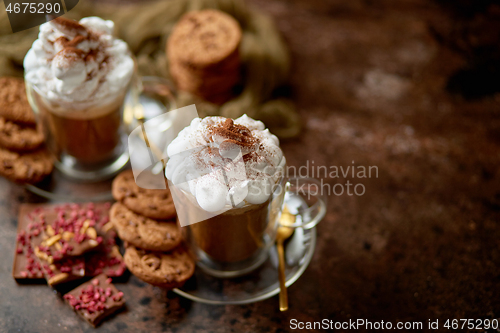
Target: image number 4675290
(26,14)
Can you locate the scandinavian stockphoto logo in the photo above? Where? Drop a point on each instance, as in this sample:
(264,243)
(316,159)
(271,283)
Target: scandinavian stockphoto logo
(24,14)
(198,193)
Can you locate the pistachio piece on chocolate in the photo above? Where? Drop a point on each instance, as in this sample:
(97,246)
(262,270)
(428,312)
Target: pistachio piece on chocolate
(67,235)
(57,278)
(85,226)
(50,231)
(92,233)
(52,240)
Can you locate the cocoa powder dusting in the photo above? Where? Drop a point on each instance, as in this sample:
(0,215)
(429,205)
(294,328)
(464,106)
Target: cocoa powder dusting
(69,46)
(237,134)
(65,42)
(69,25)
(250,157)
(71,50)
(91,56)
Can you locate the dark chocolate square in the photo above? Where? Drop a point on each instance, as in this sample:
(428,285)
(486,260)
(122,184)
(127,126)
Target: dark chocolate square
(32,231)
(67,230)
(95,300)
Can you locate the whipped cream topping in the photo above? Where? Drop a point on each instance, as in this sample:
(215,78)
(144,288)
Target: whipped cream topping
(77,61)
(225,163)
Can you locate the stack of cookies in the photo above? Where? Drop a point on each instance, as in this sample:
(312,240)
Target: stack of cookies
(22,156)
(203,54)
(146,221)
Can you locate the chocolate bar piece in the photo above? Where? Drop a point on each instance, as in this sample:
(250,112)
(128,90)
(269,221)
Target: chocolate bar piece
(67,230)
(65,270)
(33,223)
(95,299)
(26,264)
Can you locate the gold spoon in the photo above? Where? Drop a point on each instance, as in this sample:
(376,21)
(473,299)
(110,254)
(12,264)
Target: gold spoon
(283,233)
(138,114)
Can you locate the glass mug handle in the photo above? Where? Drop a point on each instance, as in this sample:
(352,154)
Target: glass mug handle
(305,201)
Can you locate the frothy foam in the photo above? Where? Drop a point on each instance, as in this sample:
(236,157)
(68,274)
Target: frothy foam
(224,163)
(78,61)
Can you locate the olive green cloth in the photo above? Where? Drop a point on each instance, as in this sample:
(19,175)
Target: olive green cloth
(146,27)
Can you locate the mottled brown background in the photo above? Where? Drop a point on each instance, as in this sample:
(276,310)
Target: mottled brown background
(410,86)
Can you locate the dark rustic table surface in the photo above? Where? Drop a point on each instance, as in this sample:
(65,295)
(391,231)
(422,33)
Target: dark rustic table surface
(409,86)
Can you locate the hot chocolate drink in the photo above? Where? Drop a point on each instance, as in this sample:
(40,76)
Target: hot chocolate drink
(77,75)
(234,235)
(226,179)
(93,138)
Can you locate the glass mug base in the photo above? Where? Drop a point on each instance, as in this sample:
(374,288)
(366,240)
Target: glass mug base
(229,270)
(71,169)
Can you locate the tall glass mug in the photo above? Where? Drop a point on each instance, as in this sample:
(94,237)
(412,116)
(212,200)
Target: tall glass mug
(87,138)
(237,241)
(77,77)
